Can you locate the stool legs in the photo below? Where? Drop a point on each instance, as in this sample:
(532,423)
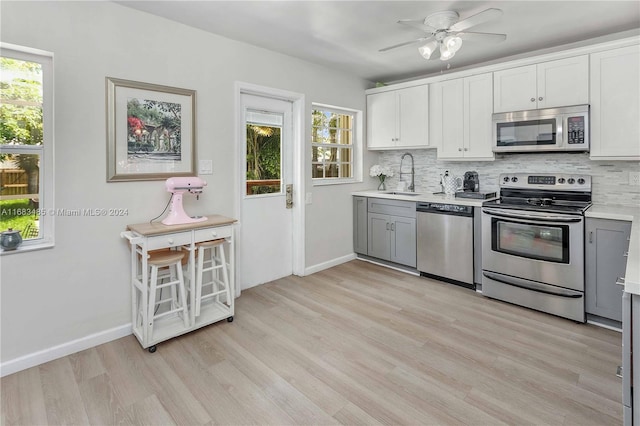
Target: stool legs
(178,297)
(215,263)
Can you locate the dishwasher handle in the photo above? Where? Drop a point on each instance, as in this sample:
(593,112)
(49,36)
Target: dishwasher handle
(448,209)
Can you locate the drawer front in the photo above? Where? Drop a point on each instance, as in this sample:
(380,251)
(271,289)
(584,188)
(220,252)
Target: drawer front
(392,207)
(169,240)
(207,234)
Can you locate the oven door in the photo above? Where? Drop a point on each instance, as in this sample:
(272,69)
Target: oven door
(543,247)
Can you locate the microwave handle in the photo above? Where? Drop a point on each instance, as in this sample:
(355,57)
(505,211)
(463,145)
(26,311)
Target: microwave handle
(548,218)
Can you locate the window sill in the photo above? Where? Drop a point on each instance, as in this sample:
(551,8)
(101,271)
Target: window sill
(323,182)
(28,247)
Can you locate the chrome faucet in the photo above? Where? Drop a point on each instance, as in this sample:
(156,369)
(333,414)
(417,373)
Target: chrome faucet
(412,187)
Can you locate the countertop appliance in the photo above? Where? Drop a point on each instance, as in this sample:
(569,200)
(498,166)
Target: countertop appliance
(178,186)
(445,242)
(533,242)
(553,129)
(471,182)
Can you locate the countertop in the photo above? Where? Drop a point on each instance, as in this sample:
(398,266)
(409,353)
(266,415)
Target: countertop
(632,274)
(422,197)
(157,228)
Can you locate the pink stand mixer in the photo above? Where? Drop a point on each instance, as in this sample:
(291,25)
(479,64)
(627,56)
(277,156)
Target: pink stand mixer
(178,186)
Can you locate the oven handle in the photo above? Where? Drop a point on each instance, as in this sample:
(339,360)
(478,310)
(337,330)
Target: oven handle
(528,285)
(546,218)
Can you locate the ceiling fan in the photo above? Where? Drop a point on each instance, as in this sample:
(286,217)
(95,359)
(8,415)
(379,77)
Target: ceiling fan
(445,32)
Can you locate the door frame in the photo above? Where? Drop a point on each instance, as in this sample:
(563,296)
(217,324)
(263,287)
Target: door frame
(298,149)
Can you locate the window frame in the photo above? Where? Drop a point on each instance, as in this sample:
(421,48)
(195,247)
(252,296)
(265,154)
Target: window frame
(46,150)
(356,145)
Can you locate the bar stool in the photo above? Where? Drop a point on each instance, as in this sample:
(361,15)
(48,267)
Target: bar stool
(169,265)
(214,262)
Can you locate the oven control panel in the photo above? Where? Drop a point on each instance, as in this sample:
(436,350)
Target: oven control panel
(549,181)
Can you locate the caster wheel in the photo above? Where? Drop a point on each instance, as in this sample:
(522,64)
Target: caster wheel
(152,349)
(230,319)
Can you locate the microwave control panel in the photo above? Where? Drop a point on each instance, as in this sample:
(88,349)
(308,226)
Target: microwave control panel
(575,130)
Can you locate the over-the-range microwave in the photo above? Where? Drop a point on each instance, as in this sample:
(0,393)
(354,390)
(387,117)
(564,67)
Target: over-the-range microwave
(553,129)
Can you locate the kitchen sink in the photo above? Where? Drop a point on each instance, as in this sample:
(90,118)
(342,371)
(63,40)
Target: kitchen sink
(410,194)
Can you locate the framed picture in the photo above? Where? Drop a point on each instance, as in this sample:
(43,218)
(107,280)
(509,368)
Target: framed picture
(150,131)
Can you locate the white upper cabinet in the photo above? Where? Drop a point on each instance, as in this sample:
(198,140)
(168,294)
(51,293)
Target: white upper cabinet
(398,118)
(515,89)
(615,109)
(460,121)
(563,82)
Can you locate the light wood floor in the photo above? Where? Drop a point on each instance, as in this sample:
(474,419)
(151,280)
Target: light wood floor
(355,344)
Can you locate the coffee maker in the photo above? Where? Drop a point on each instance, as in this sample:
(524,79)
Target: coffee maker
(471,182)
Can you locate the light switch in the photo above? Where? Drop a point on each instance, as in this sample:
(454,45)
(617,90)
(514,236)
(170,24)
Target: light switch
(205,167)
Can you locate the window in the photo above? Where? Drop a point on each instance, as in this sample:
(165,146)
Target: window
(264,152)
(26,145)
(335,142)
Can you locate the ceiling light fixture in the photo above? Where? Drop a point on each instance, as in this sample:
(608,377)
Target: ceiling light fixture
(427,49)
(453,42)
(445,52)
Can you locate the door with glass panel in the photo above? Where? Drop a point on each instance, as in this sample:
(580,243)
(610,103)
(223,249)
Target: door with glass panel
(266,219)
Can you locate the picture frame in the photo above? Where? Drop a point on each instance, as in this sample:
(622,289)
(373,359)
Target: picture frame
(151,131)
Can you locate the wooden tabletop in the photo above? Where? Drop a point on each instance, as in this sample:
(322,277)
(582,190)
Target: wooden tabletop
(157,228)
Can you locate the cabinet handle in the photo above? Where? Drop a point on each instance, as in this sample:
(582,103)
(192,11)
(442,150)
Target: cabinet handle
(625,254)
(619,371)
(591,237)
(387,226)
(170,241)
(620,281)
(393,228)
(533,99)
(460,149)
(466,149)
(540,98)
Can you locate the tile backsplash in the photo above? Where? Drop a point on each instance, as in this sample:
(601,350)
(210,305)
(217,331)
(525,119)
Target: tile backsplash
(610,179)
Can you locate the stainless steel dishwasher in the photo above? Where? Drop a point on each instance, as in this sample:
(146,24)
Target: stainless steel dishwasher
(445,242)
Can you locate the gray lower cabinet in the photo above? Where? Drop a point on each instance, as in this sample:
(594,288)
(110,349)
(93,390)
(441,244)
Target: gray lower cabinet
(392,231)
(630,360)
(606,245)
(360,224)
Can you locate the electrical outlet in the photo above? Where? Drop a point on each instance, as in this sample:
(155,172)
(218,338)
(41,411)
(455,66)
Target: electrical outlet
(634,178)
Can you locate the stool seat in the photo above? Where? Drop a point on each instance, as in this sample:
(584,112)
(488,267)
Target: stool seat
(212,243)
(165,258)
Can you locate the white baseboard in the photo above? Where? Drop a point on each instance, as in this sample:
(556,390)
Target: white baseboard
(386,265)
(55,352)
(329,264)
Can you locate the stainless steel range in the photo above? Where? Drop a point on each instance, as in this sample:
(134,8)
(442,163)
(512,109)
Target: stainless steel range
(533,242)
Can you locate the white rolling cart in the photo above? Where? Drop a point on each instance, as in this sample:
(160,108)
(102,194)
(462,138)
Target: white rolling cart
(146,237)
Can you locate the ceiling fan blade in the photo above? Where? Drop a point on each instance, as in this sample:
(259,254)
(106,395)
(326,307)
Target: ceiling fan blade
(406,43)
(476,19)
(417,23)
(484,37)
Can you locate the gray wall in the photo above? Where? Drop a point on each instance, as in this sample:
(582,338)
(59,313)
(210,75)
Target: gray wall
(610,178)
(81,286)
